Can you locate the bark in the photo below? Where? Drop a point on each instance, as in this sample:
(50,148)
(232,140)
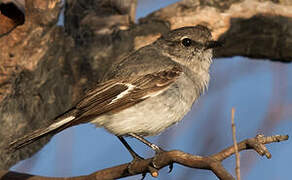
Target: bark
(44,68)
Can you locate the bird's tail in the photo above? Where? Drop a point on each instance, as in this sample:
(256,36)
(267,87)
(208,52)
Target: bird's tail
(37,134)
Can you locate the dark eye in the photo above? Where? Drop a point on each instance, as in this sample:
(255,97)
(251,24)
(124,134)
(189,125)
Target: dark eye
(186,42)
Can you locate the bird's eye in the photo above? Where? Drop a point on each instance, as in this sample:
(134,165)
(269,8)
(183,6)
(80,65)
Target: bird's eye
(186,42)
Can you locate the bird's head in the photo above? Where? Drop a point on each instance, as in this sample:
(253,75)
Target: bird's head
(189,45)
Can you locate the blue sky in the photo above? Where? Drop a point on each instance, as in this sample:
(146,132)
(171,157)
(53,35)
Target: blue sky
(253,87)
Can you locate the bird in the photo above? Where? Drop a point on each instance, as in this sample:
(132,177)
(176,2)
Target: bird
(145,92)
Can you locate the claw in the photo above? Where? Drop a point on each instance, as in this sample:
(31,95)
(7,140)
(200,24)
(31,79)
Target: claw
(152,170)
(158,151)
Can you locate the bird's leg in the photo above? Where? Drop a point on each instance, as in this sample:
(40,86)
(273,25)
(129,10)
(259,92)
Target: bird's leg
(135,156)
(131,151)
(156,148)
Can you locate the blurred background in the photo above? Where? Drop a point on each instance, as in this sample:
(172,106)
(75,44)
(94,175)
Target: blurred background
(257,89)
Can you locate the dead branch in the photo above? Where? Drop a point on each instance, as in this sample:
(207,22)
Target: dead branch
(212,162)
(237,156)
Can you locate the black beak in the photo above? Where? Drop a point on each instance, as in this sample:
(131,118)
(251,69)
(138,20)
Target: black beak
(213,44)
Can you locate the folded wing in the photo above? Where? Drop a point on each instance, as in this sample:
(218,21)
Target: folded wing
(109,97)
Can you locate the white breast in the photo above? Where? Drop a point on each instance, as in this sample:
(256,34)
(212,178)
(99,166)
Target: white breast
(155,114)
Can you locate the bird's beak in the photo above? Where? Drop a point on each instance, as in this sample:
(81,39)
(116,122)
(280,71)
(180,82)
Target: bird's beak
(213,44)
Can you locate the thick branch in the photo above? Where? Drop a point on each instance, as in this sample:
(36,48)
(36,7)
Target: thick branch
(262,28)
(213,162)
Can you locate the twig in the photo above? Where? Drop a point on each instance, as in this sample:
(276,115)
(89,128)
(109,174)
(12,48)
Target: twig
(237,156)
(213,162)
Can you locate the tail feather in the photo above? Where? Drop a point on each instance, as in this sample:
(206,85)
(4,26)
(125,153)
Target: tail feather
(37,134)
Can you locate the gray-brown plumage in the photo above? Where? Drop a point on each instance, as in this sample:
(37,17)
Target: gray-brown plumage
(146,92)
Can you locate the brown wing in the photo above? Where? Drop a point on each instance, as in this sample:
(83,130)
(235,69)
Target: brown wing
(118,94)
(109,97)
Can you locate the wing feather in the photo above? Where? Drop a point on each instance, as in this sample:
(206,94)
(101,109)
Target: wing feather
(109,97)
(104,99)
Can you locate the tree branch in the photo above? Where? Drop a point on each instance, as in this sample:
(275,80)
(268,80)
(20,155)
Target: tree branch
(213,162)
(237,156)
(263,28)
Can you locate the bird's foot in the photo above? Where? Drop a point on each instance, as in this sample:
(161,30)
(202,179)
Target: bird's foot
(158,150)
(152,170)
